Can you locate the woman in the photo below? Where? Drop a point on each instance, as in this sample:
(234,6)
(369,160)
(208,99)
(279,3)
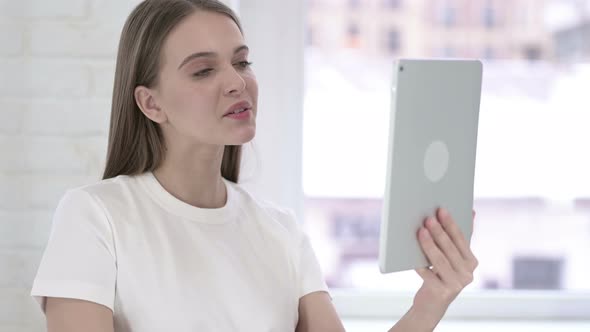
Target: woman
(168,241)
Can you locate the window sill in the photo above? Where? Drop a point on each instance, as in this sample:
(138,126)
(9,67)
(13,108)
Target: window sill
(359,325)
(470,305)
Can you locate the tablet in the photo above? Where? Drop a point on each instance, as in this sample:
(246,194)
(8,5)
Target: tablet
(431,154)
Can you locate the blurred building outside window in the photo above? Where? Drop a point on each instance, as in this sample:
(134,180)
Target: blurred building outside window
(532,188)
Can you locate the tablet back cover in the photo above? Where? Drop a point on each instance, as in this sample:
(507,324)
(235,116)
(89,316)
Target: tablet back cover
(431,153)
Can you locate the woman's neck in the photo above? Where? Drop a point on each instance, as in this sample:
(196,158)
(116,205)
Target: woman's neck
(194,178)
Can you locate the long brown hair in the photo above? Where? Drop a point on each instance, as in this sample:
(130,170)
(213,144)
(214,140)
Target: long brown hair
(136,143)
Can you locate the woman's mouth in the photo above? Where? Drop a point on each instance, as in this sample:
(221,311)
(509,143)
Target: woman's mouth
(240,114)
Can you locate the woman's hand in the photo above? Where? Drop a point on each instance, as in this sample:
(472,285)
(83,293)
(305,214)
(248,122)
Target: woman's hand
(452,262)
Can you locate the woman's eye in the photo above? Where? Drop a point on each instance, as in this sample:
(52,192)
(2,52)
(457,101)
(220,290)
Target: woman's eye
(203,72)
(244,64)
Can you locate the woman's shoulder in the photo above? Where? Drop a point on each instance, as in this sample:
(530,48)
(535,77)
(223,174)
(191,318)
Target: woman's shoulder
(266,209)
(100,192)
(83,206)
(101,188)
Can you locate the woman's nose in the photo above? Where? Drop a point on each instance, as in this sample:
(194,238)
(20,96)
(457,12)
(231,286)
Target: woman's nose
(235,83)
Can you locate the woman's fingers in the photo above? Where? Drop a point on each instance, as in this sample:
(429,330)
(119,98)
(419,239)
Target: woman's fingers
(446,245)
(437,258)
(457,236)
(428,275)
(441,241)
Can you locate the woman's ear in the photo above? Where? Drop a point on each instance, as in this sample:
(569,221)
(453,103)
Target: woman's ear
(145,100)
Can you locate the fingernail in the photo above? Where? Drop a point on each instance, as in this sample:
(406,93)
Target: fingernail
(444,213)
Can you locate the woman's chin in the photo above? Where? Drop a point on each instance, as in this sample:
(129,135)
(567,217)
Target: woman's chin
(244,138)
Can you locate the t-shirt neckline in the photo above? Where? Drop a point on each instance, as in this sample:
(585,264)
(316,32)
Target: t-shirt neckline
(182,209)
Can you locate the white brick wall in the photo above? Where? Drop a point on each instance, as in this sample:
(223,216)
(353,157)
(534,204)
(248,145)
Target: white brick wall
(28,77)
(27,228)
(52,155)
(56,75)
(11,39)
(84,118)
(77,39)
(43,9)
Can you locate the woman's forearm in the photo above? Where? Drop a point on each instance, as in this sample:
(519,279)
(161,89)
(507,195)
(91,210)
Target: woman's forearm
(412,321)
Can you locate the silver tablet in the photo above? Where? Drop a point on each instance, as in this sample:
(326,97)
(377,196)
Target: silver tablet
(431,154)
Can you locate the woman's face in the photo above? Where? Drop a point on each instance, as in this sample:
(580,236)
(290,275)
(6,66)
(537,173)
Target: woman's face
(204,75)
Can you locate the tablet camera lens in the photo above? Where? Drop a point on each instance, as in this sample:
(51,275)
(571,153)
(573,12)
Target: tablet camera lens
(401,68)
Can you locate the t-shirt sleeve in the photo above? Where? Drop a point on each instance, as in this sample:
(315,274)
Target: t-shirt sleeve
(312,278)
(79,259)
(310,273)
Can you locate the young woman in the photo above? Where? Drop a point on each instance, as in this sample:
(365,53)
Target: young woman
(168,240)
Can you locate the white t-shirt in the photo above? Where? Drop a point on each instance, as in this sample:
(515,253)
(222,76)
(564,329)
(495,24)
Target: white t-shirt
(163,265)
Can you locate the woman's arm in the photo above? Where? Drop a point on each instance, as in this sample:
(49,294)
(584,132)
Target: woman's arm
(453,264)
(317,314)
(71,315)
(414,322)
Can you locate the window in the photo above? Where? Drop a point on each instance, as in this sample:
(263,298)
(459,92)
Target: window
(393,42)
(392,4)
(488,53)
(353,30)
(354,4)
(449,16)
(537,273)
(488,17)
(309,36)
(532,52)
(353,36)
(572,43)
(532,183)
(448,52)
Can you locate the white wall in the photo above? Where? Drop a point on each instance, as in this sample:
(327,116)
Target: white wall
(56,71)
(274,32)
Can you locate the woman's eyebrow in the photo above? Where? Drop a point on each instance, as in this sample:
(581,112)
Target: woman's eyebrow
(197,55)
(241,48)
(208,55)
